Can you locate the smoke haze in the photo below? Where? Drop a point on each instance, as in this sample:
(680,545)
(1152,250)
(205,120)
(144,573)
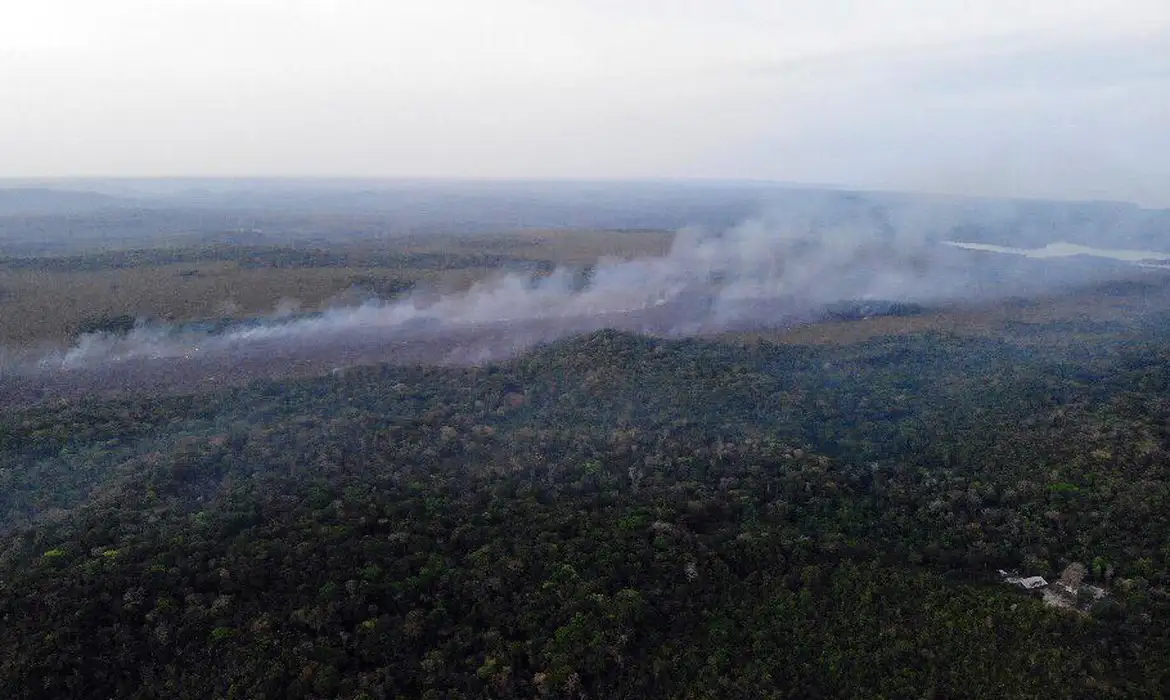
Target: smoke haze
(767,272)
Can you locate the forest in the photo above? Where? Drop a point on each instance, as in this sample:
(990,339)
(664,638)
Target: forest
(584,350)
(608,516)
(832,508)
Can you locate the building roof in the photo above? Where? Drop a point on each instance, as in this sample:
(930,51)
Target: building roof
(1031,582)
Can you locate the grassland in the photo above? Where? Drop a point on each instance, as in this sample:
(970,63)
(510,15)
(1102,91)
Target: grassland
(1117,310)
(48,299)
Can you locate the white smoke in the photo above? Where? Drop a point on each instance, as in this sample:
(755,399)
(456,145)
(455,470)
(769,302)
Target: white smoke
(758,271)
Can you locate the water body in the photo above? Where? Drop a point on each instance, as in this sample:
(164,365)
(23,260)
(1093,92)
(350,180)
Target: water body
(1067,250)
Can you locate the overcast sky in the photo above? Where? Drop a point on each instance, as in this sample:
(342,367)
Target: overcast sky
(1063,98)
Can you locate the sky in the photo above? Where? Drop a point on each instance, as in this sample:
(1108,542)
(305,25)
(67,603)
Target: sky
(1047,98)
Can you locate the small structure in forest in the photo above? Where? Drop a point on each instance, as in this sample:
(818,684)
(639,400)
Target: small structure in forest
(1030,583)
(1068,592)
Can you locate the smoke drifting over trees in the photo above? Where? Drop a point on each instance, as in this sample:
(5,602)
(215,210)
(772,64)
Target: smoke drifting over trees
(766,272)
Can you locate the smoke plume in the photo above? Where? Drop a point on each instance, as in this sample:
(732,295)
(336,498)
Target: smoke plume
(762,273)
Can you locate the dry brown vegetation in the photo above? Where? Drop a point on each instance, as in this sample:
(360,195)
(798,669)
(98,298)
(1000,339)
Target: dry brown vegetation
(40,305)
(994,318)
(563,247)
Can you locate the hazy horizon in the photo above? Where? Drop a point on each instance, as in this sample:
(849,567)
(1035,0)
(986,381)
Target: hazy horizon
(130,186)
(1052,100)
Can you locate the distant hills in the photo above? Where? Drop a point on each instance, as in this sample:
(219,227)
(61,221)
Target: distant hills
(353,208)
(26,201)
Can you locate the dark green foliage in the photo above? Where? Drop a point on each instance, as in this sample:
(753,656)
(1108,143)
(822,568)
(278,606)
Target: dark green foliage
(855,310)
(612,516)
(120,324)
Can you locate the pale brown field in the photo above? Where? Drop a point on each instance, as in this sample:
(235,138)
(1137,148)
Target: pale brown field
(50,305)
(1023,321)
(47,306)
(39,306)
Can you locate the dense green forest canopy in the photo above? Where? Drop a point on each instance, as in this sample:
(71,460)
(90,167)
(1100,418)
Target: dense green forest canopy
(609,516)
